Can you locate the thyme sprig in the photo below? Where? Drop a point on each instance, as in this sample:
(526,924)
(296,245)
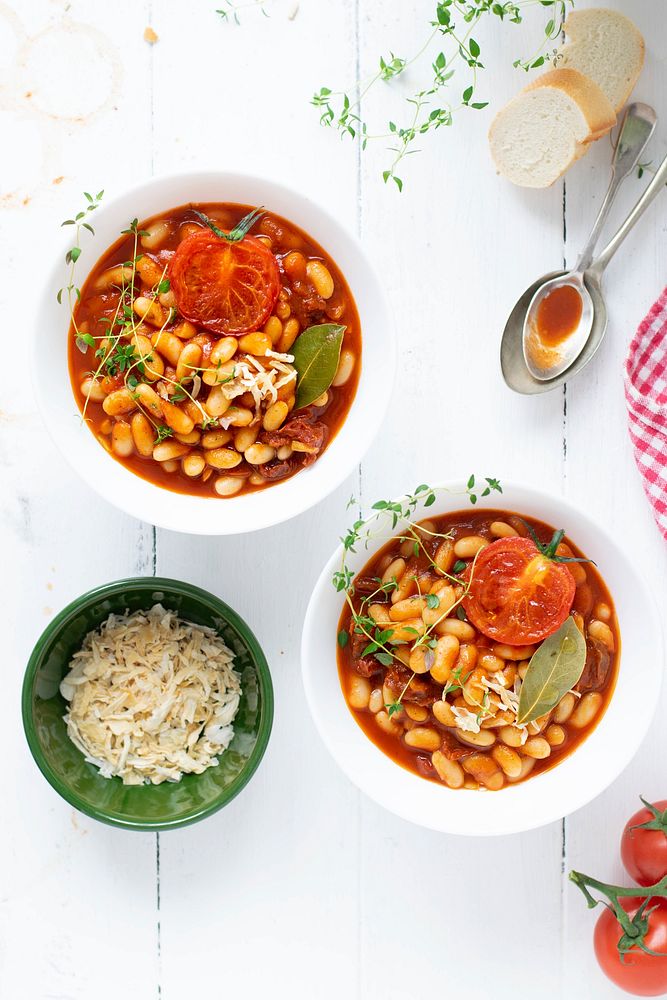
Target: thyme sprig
(452,26)
(381,641)
(231,10)
(116,349)
(71,257)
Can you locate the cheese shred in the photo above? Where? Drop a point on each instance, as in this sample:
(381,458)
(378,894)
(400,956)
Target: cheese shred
(151,697)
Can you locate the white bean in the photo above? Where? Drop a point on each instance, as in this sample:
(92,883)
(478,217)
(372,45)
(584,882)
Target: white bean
(345,368)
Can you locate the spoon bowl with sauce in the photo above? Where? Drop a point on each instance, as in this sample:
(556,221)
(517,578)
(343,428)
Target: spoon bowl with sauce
(557,325)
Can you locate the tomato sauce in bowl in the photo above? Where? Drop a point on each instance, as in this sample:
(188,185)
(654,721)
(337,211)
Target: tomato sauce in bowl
(181,350)
(436,693)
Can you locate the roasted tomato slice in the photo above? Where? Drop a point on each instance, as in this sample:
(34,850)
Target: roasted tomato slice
(517,595)
(229,288)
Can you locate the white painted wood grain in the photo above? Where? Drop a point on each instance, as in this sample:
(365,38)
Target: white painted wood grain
(600,471)
(68,886)
(301,886)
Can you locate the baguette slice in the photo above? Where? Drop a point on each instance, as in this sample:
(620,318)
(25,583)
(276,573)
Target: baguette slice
(607,47)
(542,131)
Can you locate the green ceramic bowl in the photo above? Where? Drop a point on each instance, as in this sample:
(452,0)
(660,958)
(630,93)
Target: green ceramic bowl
(144,807)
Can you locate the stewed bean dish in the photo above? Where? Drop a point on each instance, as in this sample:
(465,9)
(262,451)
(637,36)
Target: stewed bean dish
(478,648)
(215,349)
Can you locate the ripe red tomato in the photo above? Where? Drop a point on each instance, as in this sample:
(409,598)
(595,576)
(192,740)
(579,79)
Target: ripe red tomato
(517,595)
(644,852)
(229,288)
(637,973)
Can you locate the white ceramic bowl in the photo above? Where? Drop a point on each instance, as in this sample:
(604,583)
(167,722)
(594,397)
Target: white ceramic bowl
(203,515)
(546,796)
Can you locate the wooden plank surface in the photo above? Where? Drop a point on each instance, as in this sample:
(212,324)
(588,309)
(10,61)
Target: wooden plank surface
(301,885)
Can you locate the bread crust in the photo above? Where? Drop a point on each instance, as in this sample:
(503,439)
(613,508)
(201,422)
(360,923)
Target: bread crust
(576,26)
(616,62)
(592,102)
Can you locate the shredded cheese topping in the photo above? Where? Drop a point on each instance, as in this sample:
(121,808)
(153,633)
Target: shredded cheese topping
(262,378)
(466,721)
(151,697)
(506,699)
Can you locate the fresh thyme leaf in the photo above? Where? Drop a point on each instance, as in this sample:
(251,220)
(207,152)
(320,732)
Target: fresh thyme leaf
(162,432)
(178,395)
(84,341)
(343,638)
(432,601)
(459,566)
(164,286)
(122,358)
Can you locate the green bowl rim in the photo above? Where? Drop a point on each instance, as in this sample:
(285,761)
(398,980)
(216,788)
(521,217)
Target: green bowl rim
(214,603)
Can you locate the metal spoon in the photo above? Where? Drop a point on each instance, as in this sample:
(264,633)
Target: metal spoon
(543,360)
(515,370)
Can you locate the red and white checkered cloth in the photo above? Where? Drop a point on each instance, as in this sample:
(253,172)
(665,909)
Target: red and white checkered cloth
(646,398)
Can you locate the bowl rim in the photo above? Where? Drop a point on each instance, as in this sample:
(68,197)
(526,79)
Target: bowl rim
(214,603)
(581,794)
(140,498)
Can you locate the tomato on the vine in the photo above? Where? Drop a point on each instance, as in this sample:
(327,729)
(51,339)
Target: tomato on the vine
(635,971)
(644,843)
(631,934)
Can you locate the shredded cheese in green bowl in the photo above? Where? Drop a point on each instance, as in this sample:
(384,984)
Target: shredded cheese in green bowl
(147,704)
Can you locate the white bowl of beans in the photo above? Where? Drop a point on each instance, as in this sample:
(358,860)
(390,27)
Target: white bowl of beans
(171,355)
(415,667)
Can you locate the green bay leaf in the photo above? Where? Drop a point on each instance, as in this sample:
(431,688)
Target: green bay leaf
(553,671)
(316,354)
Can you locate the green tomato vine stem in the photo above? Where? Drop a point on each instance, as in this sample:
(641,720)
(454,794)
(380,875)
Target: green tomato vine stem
(634,928)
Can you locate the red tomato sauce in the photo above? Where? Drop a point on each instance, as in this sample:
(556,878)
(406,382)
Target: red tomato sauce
(303,434)
(558,315)
(387,682)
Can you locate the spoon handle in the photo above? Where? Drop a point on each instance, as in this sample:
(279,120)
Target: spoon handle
(653,189)
(636,129)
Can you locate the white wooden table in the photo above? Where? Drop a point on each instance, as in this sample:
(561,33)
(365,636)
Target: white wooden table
(302,887)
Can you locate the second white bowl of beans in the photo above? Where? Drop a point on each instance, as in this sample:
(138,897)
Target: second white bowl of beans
(543,797)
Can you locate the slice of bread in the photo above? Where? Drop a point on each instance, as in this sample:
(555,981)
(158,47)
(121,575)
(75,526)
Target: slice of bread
(543,130)
(605,46)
